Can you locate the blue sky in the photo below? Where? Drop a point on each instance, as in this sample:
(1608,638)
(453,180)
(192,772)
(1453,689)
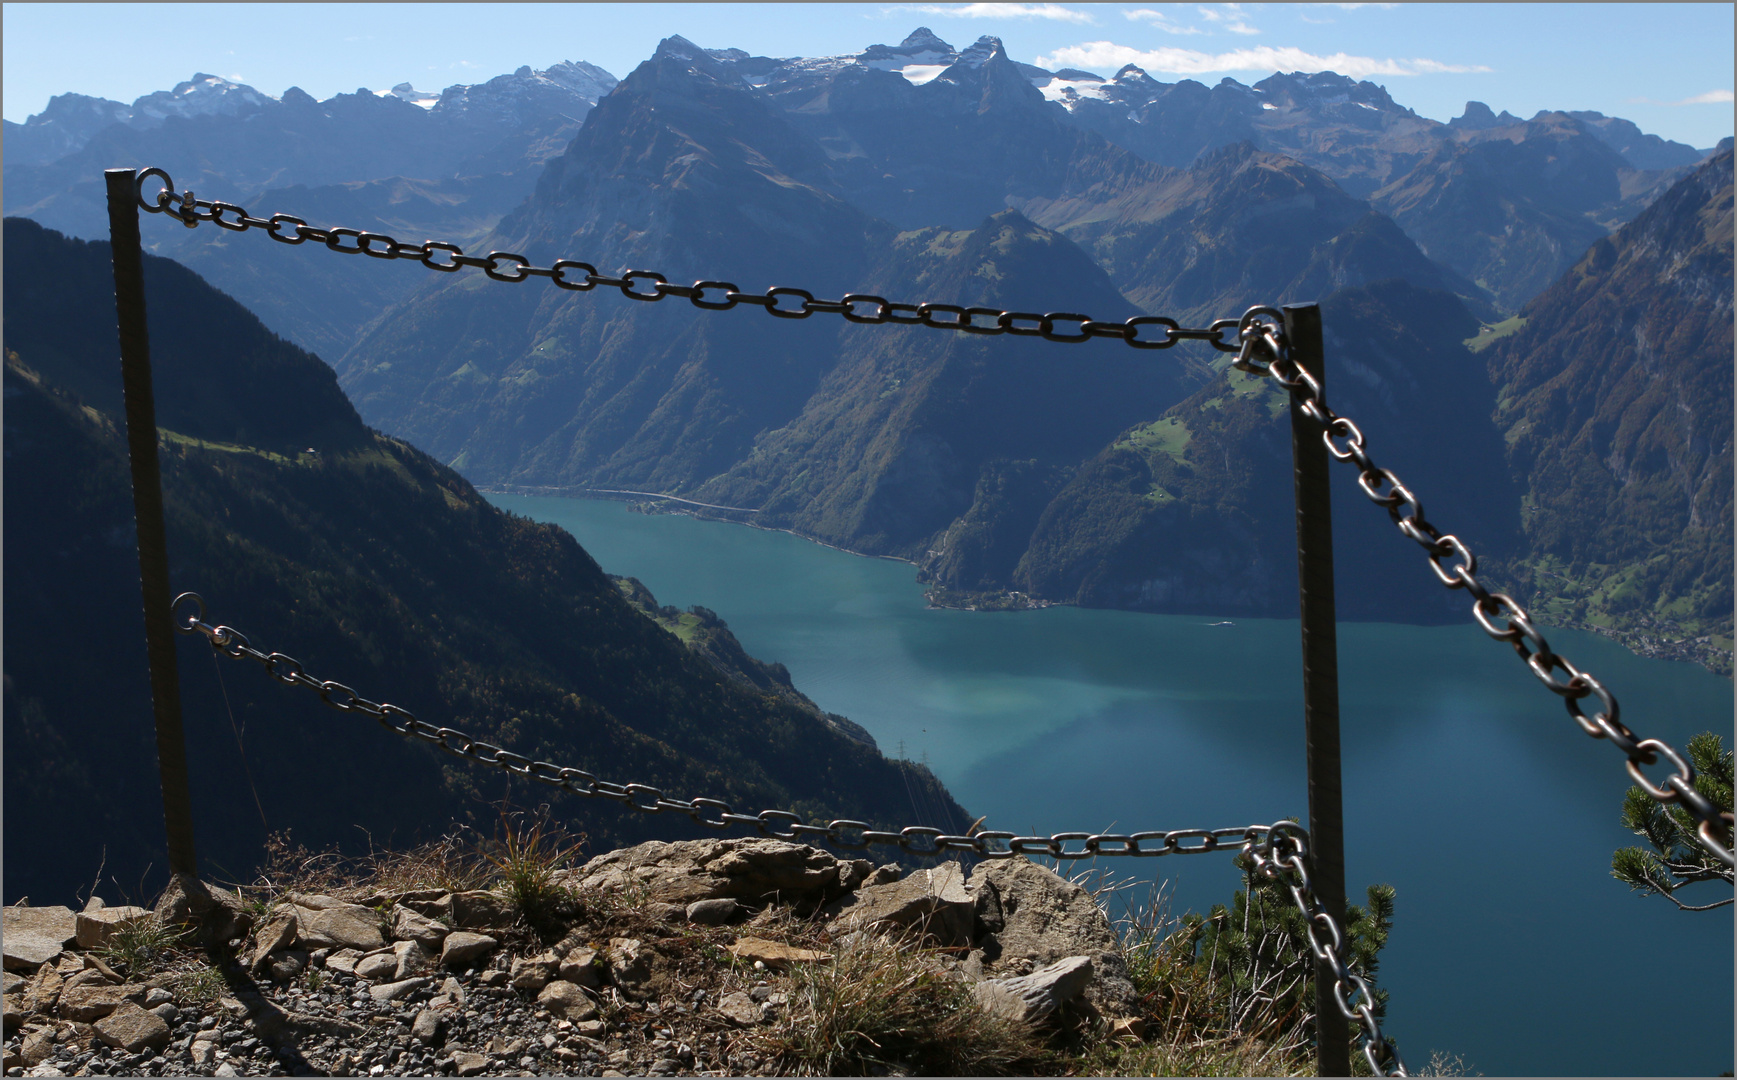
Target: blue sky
(1668,67)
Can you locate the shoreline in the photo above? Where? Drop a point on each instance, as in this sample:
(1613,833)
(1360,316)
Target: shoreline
(1637,641)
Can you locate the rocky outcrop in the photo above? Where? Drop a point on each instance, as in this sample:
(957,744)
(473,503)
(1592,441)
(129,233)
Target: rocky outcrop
(378,982)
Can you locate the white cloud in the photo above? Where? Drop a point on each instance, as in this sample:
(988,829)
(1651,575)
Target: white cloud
(1160,20)
(1711,97)
(1108,55)
(1240,27)
(1055,12)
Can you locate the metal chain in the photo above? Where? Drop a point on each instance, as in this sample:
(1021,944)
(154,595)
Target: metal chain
(1281,855)
(648,285)
(1264,352)
(712,813)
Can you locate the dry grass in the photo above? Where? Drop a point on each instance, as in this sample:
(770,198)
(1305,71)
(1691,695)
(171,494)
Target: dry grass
(886,1006)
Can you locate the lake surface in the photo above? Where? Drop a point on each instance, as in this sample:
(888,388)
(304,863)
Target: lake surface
(1467,785)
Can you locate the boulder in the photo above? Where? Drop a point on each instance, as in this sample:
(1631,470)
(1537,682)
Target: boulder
(1034,998)
(1026,912)
(566,1001)
(279,932)
(752,869)
(408,925)
(341,926)
(95,927)
(132,1029)
(932,902)
(461,947)
(32,937)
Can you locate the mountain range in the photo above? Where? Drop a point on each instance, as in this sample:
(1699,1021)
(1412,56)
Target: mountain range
(1010,471)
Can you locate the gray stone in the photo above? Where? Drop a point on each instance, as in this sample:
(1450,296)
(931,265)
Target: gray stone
(532,973)
(741,1009)
(343,926)
(32,937)
(629,963)
(468,1064)
(379,966)
(462,947)
(719,912)
(168,1012)
(13,982)
(204,1051)
(428,1026)
(95,927)
(217,915)
(225,1069)
(1034,998)
(752,869)
(316,901)
(133,1029)
(343,960)
(412,958)
(88,1004)
(279,932)
(156,996)
(567,1002)
(1026,912)
(89,977)
(581,966)
(392,991)
(478,909)
(288,965)
(37,1047)
(42,994)
(932,902)
(408,925)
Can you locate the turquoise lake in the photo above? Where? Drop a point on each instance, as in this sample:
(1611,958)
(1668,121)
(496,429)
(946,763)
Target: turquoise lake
(1467,785)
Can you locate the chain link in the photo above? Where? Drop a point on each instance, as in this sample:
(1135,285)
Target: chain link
(1281,855)
(712,813)
(780,302)
(1264,352)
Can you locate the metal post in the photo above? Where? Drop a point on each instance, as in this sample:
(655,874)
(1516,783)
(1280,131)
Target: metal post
(1326,857)
(141,414)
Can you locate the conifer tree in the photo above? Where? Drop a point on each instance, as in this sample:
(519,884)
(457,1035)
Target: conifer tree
(1676,860)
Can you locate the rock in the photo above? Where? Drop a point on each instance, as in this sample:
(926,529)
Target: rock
(217,915)
(168,1012)
(1026,912)
(774,954)
(532,973)
(94,927)
(478,909)
(88,1004)
(461,947)
(1128,1027)
(37,1047)
(412,957)
(133,1029)
(343,960)
(203,1051)
(156,995)
(316,901)
(45,1069)
(13,982)
(567,1001)
(93,962)
(408,925)
(583,967)
(392,991)
(42,994)
(452,991)
(380,966)
(87,977)
(741,1009)
(719,912)
(13,1012)
(468,1064)
(31,937)
(932,902)
(1034,998)
(427,1027)
(225,1069)
(288,965)
(279,932)
(629,963)
(753,869)
(343,926)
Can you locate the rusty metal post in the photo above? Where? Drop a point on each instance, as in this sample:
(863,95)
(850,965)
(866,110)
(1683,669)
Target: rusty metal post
(141,416)
(1326,857)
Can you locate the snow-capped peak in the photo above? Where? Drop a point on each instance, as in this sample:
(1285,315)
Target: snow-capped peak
(202,95)
(405,92)
(981,51)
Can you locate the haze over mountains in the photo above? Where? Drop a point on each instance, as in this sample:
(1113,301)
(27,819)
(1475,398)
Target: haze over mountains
(1087,473)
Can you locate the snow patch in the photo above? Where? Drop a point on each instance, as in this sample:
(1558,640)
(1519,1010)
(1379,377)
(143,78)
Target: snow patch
(918,74)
